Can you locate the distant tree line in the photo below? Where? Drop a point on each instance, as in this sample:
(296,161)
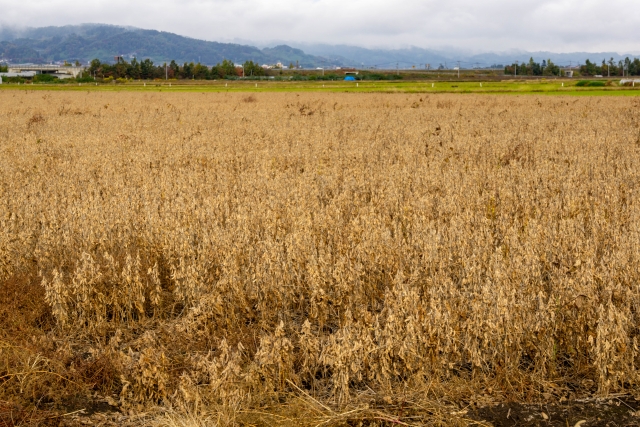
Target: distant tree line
(4,68)
(627,67)
(532,68)
(147,70)
(611,68)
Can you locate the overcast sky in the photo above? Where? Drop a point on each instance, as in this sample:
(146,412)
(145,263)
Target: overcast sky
(474,25)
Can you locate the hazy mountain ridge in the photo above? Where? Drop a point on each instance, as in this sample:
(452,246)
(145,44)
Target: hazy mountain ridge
(418,57)
(89,41)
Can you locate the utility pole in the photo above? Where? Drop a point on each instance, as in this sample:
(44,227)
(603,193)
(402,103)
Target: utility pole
(516,74)
(458,69)
(166,73)
(397,69)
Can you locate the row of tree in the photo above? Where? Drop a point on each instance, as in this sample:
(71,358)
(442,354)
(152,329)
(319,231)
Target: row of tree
(627,67)
(147,70)
(532,68)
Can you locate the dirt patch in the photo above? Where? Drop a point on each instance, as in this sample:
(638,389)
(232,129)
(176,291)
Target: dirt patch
(608,412)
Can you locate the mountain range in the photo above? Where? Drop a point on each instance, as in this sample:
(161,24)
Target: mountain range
(88,41)
(448,58)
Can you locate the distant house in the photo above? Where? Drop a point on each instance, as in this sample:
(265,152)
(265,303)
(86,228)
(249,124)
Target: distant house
(27,74)
(59,71)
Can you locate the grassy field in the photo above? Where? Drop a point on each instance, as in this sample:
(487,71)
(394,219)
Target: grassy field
(314,259)
(542,86)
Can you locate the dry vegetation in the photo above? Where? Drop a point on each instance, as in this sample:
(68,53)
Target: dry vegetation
(283,258)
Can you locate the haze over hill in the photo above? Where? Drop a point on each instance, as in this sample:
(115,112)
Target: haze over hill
(419,57)
(88,41)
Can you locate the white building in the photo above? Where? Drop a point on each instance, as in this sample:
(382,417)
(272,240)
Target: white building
(59,71)
(28,74)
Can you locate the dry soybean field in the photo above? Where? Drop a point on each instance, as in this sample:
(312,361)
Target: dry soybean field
(314,259)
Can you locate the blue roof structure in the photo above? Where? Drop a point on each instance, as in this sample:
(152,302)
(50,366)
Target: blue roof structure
(350,78)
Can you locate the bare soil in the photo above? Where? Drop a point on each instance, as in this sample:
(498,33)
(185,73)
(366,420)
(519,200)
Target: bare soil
(607,412)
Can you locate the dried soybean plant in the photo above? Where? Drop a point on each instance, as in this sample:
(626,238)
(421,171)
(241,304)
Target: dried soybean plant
(338,250)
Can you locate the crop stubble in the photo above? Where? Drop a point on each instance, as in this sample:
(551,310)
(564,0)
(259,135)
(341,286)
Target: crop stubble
(225,251)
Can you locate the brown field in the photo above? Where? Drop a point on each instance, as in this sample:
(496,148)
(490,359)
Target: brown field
(320,259)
